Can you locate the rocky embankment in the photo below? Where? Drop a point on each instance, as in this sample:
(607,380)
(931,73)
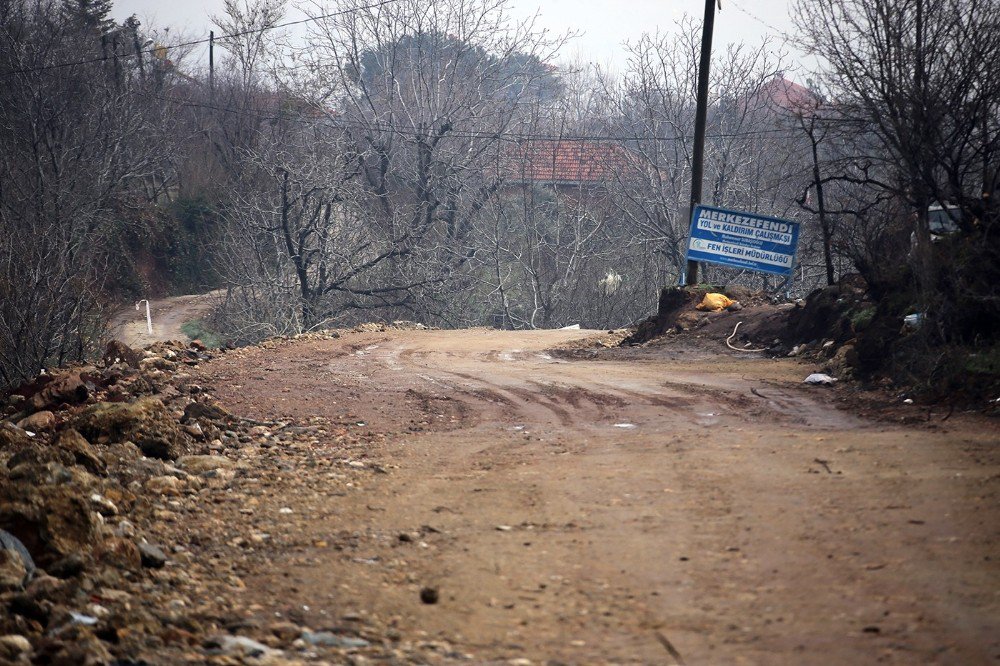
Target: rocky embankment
(142,505)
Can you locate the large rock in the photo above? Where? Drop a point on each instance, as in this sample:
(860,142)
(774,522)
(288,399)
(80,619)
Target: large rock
(29,460)
(152,556)
(73,644)
(156,363)
(13,572)
(201,464)
(81,450)
(119,552)
(63,387)
(16,563)
(38,422)
(164,485)
(119,352)
(145,422)
(53,520)
(31,457)
(13,646)
(241,647)
(12,437)
(205,411)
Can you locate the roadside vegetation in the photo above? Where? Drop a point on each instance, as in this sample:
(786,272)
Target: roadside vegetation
(196,329)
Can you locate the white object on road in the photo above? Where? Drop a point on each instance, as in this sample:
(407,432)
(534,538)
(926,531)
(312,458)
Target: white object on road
(624,425)
(820,379)
(149,318)
(574,327)
(730,345)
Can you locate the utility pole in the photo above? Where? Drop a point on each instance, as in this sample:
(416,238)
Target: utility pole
(701,113)
(211,65)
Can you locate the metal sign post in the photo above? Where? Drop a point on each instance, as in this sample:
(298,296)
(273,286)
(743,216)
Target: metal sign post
(149,318)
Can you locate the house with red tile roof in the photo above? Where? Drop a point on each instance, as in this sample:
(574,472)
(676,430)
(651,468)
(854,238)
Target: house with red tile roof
(565,164)
(780,94)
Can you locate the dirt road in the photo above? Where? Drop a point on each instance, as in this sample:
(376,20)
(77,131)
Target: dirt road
(168,315)
(633,508)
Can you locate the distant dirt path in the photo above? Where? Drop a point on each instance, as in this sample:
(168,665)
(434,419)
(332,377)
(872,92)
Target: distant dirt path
(168,315)
(649,511)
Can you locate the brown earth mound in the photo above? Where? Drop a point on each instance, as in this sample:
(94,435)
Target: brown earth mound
(752,322)
(108,497)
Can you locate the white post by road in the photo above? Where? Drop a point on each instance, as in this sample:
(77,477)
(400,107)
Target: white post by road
(149,319)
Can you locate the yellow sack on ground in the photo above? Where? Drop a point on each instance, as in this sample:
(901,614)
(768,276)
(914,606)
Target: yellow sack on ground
(715,302)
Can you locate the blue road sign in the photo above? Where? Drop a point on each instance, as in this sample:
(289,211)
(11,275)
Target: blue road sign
(743,240)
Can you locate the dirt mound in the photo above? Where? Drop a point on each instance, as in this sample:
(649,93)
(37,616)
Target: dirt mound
(109,500)
(673,301)
(71,493)
(761,323)
(836,327)
(588,346)
(832,313)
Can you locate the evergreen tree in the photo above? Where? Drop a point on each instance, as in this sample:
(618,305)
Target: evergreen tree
(92,15)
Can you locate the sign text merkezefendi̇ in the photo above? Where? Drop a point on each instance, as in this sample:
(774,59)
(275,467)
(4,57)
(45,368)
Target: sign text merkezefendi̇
(743,240)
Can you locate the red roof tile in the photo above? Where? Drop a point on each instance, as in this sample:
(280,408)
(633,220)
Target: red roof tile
(788,95)
(566,161)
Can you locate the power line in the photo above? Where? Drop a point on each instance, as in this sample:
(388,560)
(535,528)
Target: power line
(780,33)
(156,49)
(508,136)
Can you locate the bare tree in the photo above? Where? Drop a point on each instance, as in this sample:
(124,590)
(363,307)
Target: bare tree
(377,158)
(919,75)
(81,142)
(425,91)
(915,81)
(246,85)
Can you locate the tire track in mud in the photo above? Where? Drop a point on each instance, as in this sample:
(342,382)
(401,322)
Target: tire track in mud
(515,401)
(704,403)
(570,404)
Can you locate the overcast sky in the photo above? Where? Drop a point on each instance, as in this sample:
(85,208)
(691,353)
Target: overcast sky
(603,24)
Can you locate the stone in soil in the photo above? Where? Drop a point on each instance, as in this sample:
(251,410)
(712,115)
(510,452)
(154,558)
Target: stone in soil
(61,387)
(240,646)
(145,422)
(83,453)
(10,543)
(201,464)
(12,437)
(49,509)
(13,646)
(330,639)
(119,352)
(164,485)
(120,553)
(38,422)
(152,556)
(13,572)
